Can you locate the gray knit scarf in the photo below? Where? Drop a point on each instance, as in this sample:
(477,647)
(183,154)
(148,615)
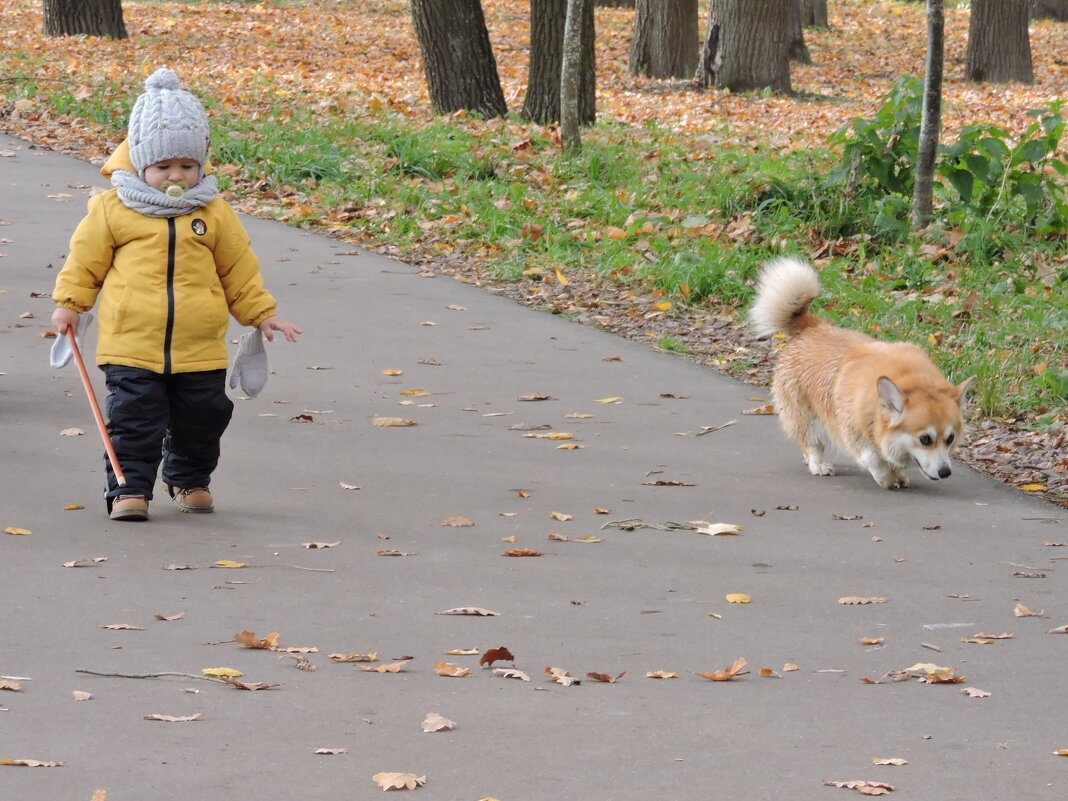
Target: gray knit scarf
(144,199)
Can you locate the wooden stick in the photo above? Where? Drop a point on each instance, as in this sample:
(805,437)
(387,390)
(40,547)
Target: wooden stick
(112,457)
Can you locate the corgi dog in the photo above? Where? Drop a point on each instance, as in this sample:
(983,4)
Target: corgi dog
(884,403)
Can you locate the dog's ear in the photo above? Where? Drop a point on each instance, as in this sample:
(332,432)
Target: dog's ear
(893,400)
(963,388)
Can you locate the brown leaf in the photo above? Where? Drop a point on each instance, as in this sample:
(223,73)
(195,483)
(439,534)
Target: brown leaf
(862,787)
(847,517)
(469,610)
(391,667)
(177,616)
(729,674)
(451,670)
(331,751)
(176,718)
(661,674)
(248,639)
(398,781)
(1059,630)
(511,673)
(664,483)
(30,763)
(853,600)
(457,521)
(522,552)
(252,686)
(500,654)
(872,640)
(435,722)
(536,397)
(768,673)
(12,686)
(313,545)
(179,567)
(559,516)
(395,552)
(768,409)
(606,678)
(355,657)
(1022,611)
(385,422)
(561,677)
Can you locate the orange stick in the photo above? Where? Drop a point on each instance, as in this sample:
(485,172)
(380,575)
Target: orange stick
(112,457)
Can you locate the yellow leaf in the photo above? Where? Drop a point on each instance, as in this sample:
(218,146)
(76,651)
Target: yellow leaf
(392,421)
(230,563)
(18,532)
(72,507)
(416,393)
(560,516)
(562,278)
(1033,487)
(1061,752)
(570,446)
(609,400)
(392,372)
(661,674)
(738,598)
(662,305)
(222,672)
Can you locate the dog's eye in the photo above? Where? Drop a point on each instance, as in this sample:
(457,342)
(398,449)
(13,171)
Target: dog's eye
(949,438)
(925,440)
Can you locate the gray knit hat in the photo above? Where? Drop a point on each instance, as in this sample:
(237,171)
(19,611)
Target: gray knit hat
(167,122)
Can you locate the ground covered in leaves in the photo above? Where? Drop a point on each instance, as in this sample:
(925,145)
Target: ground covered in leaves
(289,60)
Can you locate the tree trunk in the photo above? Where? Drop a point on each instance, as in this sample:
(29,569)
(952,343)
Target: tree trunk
(798,48)
(999,49)
(461,72)
(665,39)
(574,25)
(931,119)
(747,45)
(814,13)
(84,18)
(1050,9)
(542,103)
(616,3)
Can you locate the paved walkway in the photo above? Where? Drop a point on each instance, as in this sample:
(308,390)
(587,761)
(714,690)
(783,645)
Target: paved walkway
(951,557)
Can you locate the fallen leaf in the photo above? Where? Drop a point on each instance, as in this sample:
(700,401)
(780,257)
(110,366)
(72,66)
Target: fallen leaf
(302,418)
(661,674)
(12,686)
(511,673)
(331,751)
(395,552)
(230,564)
(511,538)
(81,695)
(314,545)
(768,409)
(392,667)
(789,667)
(975,692)
(728,674)
(1061,752)
(168,618)
(718,529)
(346,486)
(121,627)
(608,400)
(179,567)
(435,722)
(248,639)
(94,560)
(977,640)
(578,416)
(606,677)
(1059,630)
(398,781)
(664,483)
(847,517)
(853,600)
(738,598)
(176,718)
(600,510)
(462,652)
(570,446)
(30,763)
(18,532)
(457,521)
(500,654)
(415,393)
(587,538)
(895,761)
(1032,487)
(222,673)
(72,507)
(522,552)
(383,422)
(561,677)
(862,787)
(872,640)
(559,516)
(355,657)
(1003,636)
(100,795)
(392,372)
(534,396)
(469,610)
(768,673)
(71,432)
(1022,611)
(451,670)
(552,537)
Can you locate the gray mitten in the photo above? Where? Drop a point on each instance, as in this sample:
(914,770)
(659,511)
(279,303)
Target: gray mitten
(250,364)
(61,352)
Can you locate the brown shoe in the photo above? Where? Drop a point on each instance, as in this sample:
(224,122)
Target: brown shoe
(129,507)
(195,499)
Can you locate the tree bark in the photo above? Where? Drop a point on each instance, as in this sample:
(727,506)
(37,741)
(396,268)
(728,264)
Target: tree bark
(616,3)
(1050,9)
(542,103)
(747,46)
(814,13)
(461,72)
(798,48)
(931,119)
(999,48)
(665,39)
(570,135)
(84,18)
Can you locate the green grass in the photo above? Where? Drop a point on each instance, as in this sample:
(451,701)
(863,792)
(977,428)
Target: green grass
(643,207)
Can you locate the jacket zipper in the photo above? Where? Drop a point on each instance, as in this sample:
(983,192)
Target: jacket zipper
(170,297)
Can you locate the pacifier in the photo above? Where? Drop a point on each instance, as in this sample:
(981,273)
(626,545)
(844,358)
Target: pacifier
(174,190)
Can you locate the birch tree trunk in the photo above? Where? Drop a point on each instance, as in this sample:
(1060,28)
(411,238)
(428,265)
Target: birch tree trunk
(542,103)
(931,119)
(570,136)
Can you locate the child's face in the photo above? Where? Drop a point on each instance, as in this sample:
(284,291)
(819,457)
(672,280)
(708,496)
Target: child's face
(173,171)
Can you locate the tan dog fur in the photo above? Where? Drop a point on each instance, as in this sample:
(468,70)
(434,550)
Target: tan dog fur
(884,403)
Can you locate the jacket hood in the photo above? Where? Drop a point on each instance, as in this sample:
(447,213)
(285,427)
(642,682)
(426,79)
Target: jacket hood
(120,160)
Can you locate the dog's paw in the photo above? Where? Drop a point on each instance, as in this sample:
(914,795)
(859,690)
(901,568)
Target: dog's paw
(900,481)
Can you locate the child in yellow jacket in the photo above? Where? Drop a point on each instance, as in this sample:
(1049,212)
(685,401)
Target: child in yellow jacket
(170,262)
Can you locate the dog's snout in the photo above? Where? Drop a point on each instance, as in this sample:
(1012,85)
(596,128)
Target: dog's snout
(944,471)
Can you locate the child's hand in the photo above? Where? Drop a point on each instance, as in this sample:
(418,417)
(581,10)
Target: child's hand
(63,318)
(276,323)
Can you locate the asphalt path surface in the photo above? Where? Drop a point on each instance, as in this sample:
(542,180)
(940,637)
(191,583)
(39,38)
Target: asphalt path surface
(953,558)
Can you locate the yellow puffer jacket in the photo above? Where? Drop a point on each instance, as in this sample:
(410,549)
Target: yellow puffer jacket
(166,286)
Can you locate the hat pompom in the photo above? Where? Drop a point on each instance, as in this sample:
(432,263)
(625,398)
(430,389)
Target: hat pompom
(163,78)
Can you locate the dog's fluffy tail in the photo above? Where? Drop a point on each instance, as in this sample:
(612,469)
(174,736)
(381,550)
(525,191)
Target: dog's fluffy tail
(785,290)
